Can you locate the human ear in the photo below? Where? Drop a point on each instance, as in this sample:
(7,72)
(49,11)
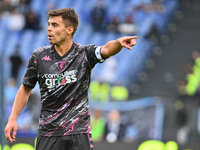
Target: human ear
(70,30)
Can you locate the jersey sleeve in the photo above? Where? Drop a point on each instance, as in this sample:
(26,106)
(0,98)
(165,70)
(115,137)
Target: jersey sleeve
(30,77)
(94,54)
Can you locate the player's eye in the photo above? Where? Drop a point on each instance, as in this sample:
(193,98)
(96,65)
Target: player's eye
(54,25)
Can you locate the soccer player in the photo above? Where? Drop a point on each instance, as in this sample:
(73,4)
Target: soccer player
(62,70)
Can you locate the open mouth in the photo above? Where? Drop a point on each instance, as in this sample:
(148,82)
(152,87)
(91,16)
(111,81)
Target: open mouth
(50,36)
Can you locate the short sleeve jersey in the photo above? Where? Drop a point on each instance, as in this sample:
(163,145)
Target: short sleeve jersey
(64,83)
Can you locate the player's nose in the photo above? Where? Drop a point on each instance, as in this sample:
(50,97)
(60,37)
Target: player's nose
(49,28)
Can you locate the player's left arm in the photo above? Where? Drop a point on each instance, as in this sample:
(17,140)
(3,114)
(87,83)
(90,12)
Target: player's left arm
(113,47)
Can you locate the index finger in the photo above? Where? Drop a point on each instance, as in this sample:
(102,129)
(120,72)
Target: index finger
(132,37)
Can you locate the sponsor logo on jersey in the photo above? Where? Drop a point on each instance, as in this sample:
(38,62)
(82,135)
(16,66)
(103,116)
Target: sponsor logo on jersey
(47,58)
(60,79)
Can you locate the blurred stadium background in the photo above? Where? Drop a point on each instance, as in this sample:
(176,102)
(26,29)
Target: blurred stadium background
(150,93)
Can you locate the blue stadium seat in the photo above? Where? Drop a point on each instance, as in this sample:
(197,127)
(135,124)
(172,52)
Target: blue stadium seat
(4,33)
(90,4)
(40,39)
(26,44)
(22,72)
(85,36)
(97,39)
(37,6)
(63,3)
(110,36)
(79,5)
(12,43)
(2,40)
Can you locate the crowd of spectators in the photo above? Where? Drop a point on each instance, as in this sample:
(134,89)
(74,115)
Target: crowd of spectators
(19,15)
(103,20)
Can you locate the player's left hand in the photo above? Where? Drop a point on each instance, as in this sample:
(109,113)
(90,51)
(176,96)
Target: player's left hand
(128,41)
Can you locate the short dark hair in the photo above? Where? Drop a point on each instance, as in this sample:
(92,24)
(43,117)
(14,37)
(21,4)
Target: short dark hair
(69,15)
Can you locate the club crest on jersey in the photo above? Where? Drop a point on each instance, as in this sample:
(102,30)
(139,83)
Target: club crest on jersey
(61,65)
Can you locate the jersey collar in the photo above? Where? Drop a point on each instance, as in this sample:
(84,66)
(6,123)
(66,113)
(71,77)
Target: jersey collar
(67,53)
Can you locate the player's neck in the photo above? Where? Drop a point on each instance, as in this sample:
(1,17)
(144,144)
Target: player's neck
(62,49)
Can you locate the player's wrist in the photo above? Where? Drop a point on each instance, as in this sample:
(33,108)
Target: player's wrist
(12,118)
(119,42)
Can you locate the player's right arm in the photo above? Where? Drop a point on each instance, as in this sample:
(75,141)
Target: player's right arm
(20,101)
